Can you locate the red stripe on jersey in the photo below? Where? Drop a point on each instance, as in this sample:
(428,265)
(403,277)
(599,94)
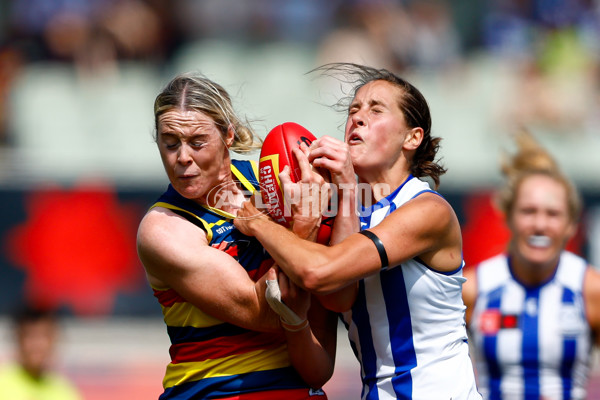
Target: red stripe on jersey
(168,297)
(223,347)
(265,265)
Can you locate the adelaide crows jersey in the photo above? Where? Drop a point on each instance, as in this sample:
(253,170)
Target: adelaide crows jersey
(209,357)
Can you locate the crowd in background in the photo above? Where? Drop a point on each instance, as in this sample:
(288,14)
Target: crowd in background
(554,45)
(552,48)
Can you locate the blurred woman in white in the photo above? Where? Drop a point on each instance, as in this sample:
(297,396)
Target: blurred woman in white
(534,311)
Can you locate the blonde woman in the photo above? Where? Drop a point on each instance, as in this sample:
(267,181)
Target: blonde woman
(534,311)
(208,277)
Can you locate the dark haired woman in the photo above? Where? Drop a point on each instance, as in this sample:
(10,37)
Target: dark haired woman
(398,277)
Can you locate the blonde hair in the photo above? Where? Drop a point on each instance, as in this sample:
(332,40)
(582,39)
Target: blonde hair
(198,93)
(532,159)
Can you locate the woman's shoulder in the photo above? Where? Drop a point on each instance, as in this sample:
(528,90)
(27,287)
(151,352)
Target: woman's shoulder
(161,226)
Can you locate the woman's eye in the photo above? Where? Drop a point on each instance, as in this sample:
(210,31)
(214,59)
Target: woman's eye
(171,145)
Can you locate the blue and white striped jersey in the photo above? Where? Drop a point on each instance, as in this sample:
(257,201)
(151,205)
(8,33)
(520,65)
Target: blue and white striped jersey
(532,342)
(407,326)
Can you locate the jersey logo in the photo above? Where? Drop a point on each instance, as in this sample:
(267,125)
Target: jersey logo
(509,322)
(491,321)
(572,321)
(531,306)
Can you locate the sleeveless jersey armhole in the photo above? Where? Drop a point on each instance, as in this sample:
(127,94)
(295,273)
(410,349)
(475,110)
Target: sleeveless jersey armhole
(194,220)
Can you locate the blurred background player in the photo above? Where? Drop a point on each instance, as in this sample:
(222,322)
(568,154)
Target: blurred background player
(31,375)
(534,311)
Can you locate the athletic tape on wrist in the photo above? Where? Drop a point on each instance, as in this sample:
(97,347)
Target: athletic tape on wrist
(294,328)
(273,296)
(380,248)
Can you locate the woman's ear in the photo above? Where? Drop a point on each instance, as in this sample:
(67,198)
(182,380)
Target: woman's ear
(230,137)
(571,230)
(413,138)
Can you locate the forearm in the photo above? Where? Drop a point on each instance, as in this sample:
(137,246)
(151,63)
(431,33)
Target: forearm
(312,349)
(309,357)
(346,220)
(297,257)
(265,320)
(316,268)
(341,300)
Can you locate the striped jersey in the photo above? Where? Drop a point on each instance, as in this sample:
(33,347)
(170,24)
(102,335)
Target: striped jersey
(211,358)
(532,341)
(407,327)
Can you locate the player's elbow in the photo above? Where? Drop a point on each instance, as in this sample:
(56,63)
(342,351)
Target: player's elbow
(318,381)
(312,280)
(317,377)
(316,279)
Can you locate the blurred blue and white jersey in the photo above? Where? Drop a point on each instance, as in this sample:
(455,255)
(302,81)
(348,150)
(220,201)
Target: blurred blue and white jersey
(532,342)
(407,327)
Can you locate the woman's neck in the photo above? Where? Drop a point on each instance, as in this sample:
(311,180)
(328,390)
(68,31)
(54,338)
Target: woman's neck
(227,196)
(532,274)
(382,184)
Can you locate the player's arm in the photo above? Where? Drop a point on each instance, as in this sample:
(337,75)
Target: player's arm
(469,292)
(176,254)
(333,156)
(312,351)
(311,338)
(330,160)
(591,296)
(310,329)
(426,227)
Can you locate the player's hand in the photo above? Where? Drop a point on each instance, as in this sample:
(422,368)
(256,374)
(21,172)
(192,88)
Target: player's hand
(333,155)
(286,298)
(308,198)
(248,214)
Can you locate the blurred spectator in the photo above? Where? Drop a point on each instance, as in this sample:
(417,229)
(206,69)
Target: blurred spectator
(11,61)
(137,28)
(362,34)
(31,377)
(389,34)
(507,28)
(304,21)
(33,24)
(91,34)
(255,21)
(551,47)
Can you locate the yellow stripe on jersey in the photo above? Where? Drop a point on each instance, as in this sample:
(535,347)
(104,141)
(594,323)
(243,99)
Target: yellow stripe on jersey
(260,360)
(185,314)
(254,165)
(207,226)
(243,179)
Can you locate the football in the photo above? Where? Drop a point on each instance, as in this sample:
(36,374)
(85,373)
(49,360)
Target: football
(276,153)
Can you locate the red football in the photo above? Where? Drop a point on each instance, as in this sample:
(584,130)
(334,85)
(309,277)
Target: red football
(275,154)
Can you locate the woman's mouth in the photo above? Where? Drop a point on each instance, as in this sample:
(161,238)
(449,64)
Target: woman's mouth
(354,138)
(539,241)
